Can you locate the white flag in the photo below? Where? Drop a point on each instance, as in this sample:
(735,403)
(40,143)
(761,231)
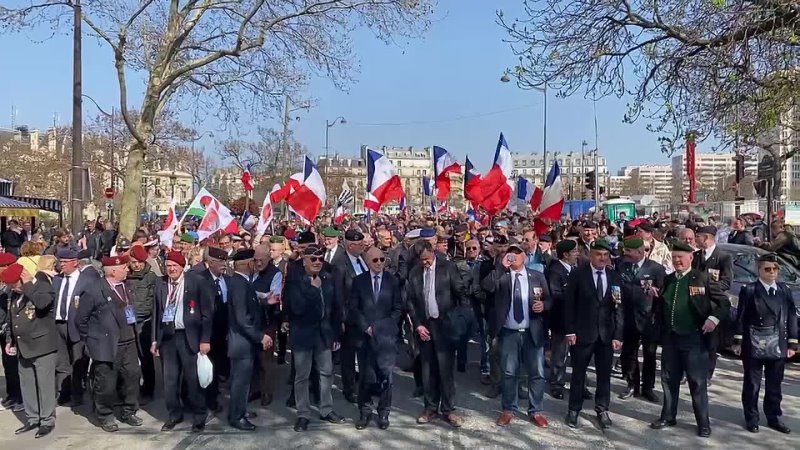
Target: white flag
(171,225)
(266,216)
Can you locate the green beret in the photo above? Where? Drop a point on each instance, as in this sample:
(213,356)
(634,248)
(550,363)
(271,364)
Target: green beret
(277,240)
(331,232)
(633,243)
(566,245)
(601,244)
(186,237)
(679,246)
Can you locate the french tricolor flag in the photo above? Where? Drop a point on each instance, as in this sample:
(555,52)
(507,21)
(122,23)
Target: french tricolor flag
(472,184)
(443,166)
(497,186)
(308,198)
(552,202)
(383,183)
(290,186)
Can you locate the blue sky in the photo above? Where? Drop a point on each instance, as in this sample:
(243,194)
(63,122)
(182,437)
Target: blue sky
(442,89)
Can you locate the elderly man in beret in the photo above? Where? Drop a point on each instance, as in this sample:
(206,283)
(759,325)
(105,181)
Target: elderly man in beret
(107,325)
(34,341)
(142,283)
(642,281)
(688,309)
(183,325)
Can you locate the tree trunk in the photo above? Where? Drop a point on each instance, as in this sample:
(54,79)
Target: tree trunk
(129,212)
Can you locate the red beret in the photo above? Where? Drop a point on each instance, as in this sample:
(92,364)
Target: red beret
(12,274)
(6,259)
(111,261)
(177,258)
(139,253)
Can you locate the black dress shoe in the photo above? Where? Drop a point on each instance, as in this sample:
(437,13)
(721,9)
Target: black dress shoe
(301,424)
(557,394)
(350,397)
(250,415)
(587,394)
(572,419)
(752,428)
(605,420)
(332,417)
(198,427)
(109,427)
(661,424)
(169,425)
(383,421)
(27,427)
(44,430)
(704,432)
(462,368)
(651,396)
(243,424)
(363,421)
(132,420)
(626,394)
(780,427)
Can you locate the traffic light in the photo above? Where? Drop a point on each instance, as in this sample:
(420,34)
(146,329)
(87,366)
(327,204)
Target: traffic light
(589,183)
(761,188)
(739,159)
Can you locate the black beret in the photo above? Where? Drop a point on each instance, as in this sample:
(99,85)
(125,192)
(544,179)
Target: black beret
(680,246)
(84,254)
(708,229)
(217,253)
(500,239)
(567,245)
(646,226)
(353,235)
(589,224)
(306,237)
(545,238)
(461,228)
(243,255)
(313,250)
(768,257)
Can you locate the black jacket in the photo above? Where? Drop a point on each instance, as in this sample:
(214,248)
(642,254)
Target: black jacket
(742,237)
(31,319)
(86,279)
(638,306)
(198,309)
(246,325)
(557,276)
(272,313)
(12,241)
(501,286)
(100,319)
(719,267)
(449,289)
(754,310)
(315,314)
(365,311)
(585,316)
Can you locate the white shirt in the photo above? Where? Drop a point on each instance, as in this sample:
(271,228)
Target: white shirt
(354,261)
(707,252)
(329,254)
(767,287)
(73,280)
(222,287)
(178,301)
(603,276)
(566,266)
(430,296)
(511,323)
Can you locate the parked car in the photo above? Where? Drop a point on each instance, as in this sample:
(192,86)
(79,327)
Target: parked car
(745,271)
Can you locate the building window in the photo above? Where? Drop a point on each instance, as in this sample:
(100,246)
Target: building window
(424,171)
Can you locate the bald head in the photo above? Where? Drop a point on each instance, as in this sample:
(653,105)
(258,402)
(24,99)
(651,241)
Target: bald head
(375,259)
(261,257)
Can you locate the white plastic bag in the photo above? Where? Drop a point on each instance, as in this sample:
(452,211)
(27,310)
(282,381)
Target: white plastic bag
(205,370)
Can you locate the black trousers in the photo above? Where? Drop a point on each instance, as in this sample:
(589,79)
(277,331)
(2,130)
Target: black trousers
(71,365)
(241,373)
(581,357)
(222,368)
(685,353)
(559,350)
(180,372)
(11,372)
(438,360)
(144,329)
(124,369)
(773,377)
(713,342)
(373,381)
(283,339)
(347,355)
(629,360)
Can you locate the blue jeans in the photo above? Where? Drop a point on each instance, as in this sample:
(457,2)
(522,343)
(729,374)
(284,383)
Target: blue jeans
(518,348)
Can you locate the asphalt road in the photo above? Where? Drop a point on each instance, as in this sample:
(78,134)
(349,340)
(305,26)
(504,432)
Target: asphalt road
(74,429)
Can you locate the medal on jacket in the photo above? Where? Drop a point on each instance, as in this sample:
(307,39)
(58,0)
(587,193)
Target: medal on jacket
(192,305)
(76,301)
(30,311)
(616,295)
(714,274)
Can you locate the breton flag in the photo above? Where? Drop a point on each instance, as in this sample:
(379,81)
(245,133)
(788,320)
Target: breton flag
(290,186)
(171,225)
(247,180)
(443,166)
(497,186)
(218,217)
(267,214)
(344,199)
(383,184)
(552,196)
(472,184)
(308,198)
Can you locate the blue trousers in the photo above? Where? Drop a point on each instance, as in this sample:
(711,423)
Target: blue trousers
(517,348)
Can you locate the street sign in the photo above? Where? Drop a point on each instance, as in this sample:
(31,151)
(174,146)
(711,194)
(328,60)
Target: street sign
(109,192)
(109,204)
(766,167)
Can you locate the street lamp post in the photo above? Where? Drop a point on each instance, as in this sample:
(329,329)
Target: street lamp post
(328,126)
(543,89)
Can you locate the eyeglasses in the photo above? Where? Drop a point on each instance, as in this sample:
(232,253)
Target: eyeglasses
(771,269)
(376,260)
(315,259)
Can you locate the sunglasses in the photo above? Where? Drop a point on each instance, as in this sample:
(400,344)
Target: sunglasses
(473,248)
(376,260)
(771,269)
(315,259)
(647,249)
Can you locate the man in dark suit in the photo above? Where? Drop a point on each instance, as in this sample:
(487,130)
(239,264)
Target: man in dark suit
(521,299)
(766,311)
(642,280)
(434,289)
(739,234)
(35,342)
(69,286)
(334,252)
(315,322)
(246,336)
(107,324)
(587,237)
(557,275)
(594,325)
(689,308)
(719,267)
(266,369)
(375,310)
(493,261)
(13,398)
(184,311)
(217,285)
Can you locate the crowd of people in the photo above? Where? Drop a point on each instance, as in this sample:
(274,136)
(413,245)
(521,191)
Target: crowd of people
(95,315)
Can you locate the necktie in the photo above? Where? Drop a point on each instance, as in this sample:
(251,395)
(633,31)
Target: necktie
(635,269)
(173,292)
(376,287)
(679,276)
(64,299)
(328,255)
(519,314)
(599,285)
(360,266)
(219,290)
(771,291)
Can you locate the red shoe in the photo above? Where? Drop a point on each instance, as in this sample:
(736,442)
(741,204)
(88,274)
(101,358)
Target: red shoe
(539,420)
